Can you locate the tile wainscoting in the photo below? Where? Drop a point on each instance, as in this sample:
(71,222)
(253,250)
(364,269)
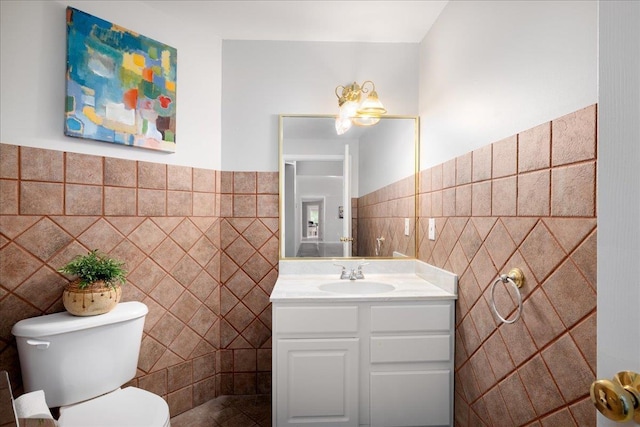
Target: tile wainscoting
(202,250)
(527,201)
(382,213)
(202,259)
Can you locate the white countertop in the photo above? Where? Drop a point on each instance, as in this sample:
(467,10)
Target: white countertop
(300,281)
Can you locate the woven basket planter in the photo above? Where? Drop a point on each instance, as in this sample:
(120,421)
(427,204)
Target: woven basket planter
(95,299)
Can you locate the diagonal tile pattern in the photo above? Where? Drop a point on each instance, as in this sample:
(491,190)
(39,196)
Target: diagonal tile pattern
(546,361)
(249,245)
(202,250)
(173,261)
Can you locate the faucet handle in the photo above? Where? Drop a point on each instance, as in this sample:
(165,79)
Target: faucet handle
(362,264)
(343,272)
(360,274)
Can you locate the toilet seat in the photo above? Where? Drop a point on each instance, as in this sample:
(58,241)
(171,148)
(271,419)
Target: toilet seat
(128,407)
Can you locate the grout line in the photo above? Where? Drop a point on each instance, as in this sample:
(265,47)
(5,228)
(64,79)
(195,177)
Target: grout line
(551,166)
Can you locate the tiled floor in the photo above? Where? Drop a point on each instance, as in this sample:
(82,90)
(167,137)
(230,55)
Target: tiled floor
(228,411)
(313,248)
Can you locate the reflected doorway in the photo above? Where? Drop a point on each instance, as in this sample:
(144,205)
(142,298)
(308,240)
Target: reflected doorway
(312,214)
(312,227)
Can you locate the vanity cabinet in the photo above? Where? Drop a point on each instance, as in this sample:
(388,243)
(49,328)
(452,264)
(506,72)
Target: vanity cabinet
(316,363)
(411,364)
(363,363)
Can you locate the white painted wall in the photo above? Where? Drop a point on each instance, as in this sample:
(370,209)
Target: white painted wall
(262,79)
(300,149)
(387,154)
(489,69)
(381,154)
(618,190)
(32,79)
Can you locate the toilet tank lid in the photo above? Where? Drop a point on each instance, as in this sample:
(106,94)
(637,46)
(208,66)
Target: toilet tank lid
(60,323)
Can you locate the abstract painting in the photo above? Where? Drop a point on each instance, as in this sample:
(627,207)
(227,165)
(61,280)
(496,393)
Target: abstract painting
(121,86)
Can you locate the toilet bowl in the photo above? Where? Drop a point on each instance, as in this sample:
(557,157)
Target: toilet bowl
(81,362)
(128,407)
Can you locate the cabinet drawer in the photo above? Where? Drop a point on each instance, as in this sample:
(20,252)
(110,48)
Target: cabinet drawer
(425,348)
(325,320)
(411,318)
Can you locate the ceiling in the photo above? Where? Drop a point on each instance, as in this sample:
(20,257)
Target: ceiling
(306,20)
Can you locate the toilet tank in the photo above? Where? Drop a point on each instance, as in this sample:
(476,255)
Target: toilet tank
(78,358)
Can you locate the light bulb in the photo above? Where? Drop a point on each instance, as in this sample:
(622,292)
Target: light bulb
(365,120)
(342,125)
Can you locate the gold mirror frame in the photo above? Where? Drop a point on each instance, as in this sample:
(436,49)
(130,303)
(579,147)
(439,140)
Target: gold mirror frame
(416,227)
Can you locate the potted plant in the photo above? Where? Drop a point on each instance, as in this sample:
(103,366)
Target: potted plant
(96,289)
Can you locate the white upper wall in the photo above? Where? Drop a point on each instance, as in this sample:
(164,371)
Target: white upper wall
(387,154)
(485,71)
(32,79)
(489,69)
(261,80)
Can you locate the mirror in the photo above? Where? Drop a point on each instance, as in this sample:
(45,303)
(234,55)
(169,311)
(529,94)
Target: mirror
(350,195)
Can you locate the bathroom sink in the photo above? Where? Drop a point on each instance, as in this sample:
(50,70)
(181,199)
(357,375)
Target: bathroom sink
(357,287)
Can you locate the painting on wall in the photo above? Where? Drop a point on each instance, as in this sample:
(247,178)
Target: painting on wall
(121,86)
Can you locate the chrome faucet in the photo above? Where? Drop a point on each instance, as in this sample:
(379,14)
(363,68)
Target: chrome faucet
(360,274)
(343,272)
(353,274)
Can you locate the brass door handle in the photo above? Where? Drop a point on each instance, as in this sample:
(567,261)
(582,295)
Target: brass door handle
(346,239)
(618,399)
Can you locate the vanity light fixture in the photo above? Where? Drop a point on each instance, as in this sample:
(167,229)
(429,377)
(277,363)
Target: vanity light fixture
(354,110)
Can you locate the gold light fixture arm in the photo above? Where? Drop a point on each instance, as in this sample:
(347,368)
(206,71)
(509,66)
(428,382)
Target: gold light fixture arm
(354,110)
(351,92)
(339,90)
(364,90)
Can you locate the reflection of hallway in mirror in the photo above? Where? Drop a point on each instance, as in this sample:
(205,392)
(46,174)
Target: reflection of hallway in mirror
(353,186)
(312,248)
(312,213)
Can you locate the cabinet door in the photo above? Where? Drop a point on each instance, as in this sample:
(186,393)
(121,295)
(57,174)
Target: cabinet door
(317,382)
(410,398)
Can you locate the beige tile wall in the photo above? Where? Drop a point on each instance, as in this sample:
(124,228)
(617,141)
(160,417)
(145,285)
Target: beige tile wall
(202,249)
(182,231)
(162,220)
(527,201)
(249,269)
(354,226)
(381,214)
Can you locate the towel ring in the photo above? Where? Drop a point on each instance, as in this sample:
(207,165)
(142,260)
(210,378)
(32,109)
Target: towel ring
(516,279)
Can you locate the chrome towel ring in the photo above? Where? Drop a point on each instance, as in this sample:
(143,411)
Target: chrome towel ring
(516,279)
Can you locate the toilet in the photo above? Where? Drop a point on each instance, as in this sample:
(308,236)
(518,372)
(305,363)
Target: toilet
(81,362)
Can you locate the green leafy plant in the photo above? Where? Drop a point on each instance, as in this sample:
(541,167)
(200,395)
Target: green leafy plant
(94,267)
